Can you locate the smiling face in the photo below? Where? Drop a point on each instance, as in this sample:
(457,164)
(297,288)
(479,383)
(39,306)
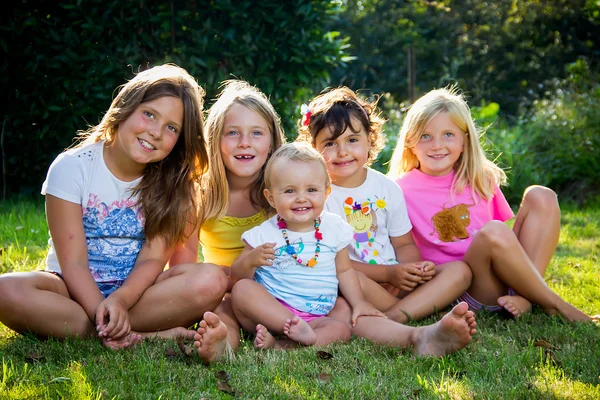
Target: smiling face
(245,142)
(148,135)
(345,156)
(440,146)
(298,192)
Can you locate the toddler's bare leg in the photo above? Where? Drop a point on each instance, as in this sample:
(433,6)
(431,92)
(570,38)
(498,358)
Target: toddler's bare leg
(253,305)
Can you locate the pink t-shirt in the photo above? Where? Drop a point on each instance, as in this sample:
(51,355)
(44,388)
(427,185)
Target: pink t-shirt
(444,224)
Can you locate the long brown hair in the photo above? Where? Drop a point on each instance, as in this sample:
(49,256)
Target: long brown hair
(215,200)
(168,189)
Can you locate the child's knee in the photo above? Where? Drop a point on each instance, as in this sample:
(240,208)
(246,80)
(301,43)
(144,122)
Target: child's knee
(209,283)
(496,234)
(540,198)
(464,273)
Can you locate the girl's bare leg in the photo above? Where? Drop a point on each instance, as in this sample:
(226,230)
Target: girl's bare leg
(39,302)
(450,281)
(451,333)
(498,261)
(537,228)
(180,297)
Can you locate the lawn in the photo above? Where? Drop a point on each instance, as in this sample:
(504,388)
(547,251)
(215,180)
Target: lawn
(536,356)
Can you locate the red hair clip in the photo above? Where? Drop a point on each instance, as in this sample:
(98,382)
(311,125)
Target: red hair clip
(305,114)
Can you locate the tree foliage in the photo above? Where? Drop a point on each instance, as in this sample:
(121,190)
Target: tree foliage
(61,61)
(504,51)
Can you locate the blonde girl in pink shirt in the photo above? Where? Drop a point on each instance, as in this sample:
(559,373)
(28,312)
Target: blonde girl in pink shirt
(458,211)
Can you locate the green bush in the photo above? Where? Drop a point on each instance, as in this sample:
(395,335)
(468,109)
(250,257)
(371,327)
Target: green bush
(61,61)
(558,144)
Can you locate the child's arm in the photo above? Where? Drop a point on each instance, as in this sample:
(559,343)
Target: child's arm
(251,258)
(68,236)
(350,288)
(188,251)
(150,263)
(405,275)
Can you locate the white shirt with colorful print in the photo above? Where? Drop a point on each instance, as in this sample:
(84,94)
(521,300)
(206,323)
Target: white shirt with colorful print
(312,290)
(112,220)
(377,211)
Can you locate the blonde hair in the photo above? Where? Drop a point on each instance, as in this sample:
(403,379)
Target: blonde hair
(168,189)
(333,108)
(215,189)
(296,151)
(472,168)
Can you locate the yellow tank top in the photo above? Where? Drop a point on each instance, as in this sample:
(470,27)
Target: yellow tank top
(221,240)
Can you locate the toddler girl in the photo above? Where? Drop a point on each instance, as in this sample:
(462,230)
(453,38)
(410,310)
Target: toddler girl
(296,258)
(117,205)
(457,210)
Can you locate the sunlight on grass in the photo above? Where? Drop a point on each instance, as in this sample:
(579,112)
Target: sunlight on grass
(79,387)
(446,388)
(289,386)
(552,383)
(16,382)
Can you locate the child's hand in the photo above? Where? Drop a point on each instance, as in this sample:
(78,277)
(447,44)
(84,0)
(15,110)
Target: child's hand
(112,319)
(406,276)
(262,255)
(365,308)
(428,271)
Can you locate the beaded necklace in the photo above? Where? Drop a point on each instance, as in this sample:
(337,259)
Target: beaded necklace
(290,249)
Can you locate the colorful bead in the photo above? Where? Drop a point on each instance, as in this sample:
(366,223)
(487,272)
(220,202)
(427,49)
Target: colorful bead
(281,224)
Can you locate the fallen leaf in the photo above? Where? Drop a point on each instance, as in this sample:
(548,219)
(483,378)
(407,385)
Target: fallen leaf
(544,344)
(224,387)
(34,357)
(323,355)
(223,376)
(170,353)
(324,377)
(550,355)
(186,350)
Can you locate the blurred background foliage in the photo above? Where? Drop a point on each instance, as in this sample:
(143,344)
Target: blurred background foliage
(530,69)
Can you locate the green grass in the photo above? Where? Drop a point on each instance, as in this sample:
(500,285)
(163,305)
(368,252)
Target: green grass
(535,357)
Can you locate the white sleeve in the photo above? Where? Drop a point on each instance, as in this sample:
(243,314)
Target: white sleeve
(254,237)
(65,178)
(399,222)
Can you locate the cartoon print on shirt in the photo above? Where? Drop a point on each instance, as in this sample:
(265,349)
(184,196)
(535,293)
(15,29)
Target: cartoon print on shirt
(451,223)
(363,219)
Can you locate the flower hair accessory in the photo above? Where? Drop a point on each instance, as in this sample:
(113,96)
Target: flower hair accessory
(305,114)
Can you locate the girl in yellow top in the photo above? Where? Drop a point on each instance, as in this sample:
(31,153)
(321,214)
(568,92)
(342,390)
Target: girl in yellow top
(243,130)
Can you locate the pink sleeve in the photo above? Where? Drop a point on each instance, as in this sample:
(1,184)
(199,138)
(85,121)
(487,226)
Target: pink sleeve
(500,208)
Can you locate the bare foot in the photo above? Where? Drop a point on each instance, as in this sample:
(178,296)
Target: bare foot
(516,305)
(119,344)
(211,339)
(299,331)
(263,340)
(570,312)
(451,333)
